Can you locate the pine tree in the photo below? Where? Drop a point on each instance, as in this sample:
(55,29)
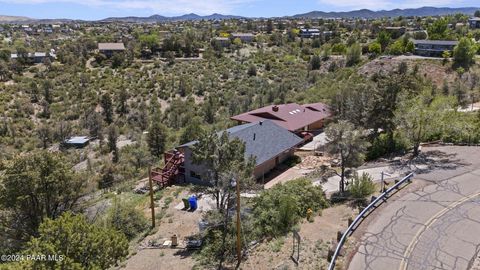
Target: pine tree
(106,103)
(157,136)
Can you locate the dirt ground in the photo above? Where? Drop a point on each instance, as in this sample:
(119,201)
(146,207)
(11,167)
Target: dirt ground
(308,164)
(431,69)
(316,238)
(172,221)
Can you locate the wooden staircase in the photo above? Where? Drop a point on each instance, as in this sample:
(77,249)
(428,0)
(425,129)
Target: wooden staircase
(172,171)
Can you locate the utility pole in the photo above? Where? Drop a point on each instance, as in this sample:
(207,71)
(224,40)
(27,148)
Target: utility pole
(152,203)
(239,242)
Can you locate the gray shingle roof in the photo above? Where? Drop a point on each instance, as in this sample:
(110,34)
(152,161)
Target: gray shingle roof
(111,46)
(263,140)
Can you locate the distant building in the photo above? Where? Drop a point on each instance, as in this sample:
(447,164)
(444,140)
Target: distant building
(309,32)
(474,22)
(76,142)
(108,49)
(244,37)
(291,116)
(395,32)
(223,41)
(327,34)
(36,58)
(433,48)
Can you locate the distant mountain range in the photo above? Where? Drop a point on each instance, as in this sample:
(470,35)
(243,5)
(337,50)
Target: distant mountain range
(13,18)
(160,18)
(366,13)
(362,13)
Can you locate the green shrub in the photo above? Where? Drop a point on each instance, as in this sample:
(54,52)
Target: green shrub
(126,219)
(278,209)
(292,161)
(361,186)
(382,146)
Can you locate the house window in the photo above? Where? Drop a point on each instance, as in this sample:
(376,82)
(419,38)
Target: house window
(195,175)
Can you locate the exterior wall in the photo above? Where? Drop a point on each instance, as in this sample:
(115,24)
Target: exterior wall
(198,169)
(474,24)
(39,59)
(244,39)
(267,166)
(258,172)
(223,42)
(432,50)
(317,125)
(110,53)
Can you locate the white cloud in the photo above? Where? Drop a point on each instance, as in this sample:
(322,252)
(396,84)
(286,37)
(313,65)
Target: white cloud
(164,7)
(385,4)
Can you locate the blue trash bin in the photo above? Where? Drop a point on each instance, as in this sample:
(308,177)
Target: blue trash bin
(193,202)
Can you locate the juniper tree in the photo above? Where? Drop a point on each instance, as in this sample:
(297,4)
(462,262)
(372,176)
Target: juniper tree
(222,155)
(348,143)
(36,186)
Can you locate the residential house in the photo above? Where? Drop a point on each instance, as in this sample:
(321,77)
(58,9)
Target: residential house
(244,37)
(268,143)
(309,33)
(109,49)
(223,41)
(327,34)
(35,58)
(395,32)
(433,48)
(474,22)
(291,116)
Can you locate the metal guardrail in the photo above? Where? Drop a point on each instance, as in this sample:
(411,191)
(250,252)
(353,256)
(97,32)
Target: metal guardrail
(362,214)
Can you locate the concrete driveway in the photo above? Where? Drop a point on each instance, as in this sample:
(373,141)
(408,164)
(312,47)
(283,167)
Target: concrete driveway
(319,140)
(435,227)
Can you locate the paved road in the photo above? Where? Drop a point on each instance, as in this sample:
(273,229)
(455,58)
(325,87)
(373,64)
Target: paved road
(436,227)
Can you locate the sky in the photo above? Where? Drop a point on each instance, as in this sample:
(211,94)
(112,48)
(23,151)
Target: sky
(100,9)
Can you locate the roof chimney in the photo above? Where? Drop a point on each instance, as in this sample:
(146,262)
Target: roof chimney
(275,108)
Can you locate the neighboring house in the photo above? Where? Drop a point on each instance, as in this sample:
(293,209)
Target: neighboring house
(309,32)
(223,41)
(433,48)
(37,57)
(292,116)
(108,49)
(265,141)
(395,32)
(327,34)
(474,22)
(76,142)
(244,37)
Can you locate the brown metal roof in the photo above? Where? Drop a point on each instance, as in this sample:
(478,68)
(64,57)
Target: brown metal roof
(291,116)
(111,46)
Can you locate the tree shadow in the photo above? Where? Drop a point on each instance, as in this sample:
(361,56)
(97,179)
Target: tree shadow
(184,253)
(429,161)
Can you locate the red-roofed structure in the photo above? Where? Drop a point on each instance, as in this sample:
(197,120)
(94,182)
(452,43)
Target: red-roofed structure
(291,116)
